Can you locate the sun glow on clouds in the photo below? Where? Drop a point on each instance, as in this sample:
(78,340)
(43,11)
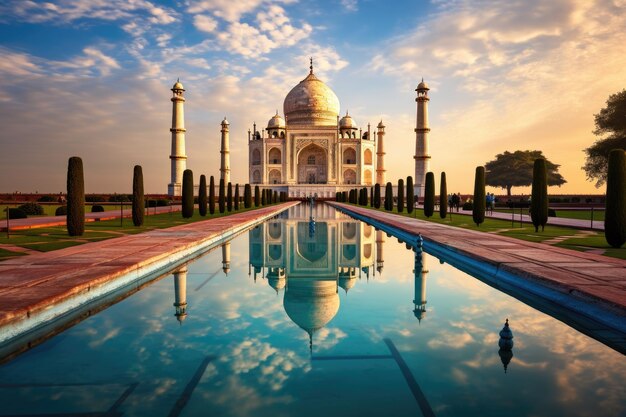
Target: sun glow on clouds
(504,75)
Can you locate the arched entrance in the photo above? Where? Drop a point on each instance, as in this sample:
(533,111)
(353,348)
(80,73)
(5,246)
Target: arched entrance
(312,165)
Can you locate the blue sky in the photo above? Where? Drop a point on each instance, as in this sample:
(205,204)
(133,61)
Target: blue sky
(92,78)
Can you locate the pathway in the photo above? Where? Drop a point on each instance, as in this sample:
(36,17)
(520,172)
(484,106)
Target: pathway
(591,276)
(36,284)
(51,221)
(553,221)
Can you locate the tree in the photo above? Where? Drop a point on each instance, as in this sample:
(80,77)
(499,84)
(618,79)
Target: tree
(539,196)
(515,169)
(187,196)
(229,197)
(263,197)
(257,196)
(410,195)
(400,195)
(429,194)
(247,196)
(443,197)
(138,197)
(236,197)
(389,197)
(478,208)
(615,215)
(212,195)
(75,197)
(610,121)
(371,197)
(202,197)
(377,196)
(221,196)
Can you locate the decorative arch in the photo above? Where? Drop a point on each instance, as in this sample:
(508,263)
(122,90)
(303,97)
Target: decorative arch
(367,157)
(274,177)
(256,176)
(274,156)
(256,157)
(349,156)
(312,165)
(367,177)
(349,176)
(349,230)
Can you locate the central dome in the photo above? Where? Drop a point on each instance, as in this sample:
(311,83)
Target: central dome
(311,102)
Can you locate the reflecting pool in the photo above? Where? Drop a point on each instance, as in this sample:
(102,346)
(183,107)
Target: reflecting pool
(306,318)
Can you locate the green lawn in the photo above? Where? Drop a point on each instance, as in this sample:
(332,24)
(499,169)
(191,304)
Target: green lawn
(50,209)
(587,240)
(53,238)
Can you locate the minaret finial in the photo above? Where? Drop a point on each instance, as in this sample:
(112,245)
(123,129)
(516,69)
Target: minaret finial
(422,79)
(311,66)
(178,79)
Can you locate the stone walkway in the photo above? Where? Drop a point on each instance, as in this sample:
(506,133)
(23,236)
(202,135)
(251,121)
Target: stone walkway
(553,221)
(35,283)
(592,276)
(51,221)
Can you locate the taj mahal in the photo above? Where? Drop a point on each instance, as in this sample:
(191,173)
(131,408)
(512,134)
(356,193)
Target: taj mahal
(311,149)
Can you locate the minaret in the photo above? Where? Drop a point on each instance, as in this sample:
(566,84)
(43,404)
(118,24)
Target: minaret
(177,156)
(226,257)
(421,274)
(180,294)
(380,155)
(422,158)
(225,151)
(380,241)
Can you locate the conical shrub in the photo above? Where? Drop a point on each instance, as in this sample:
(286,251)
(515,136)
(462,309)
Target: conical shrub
(443,197)
(429,194)
(75,197)
(187,197)
(615,215)
(539,196)
(203,201)
(478,208)
(212,195)
(138,196)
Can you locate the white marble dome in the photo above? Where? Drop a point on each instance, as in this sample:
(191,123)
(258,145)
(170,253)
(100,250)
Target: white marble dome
(311,102)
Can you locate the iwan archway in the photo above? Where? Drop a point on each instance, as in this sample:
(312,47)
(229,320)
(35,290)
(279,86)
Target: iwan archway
(312,165)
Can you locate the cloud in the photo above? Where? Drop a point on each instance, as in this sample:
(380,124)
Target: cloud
(514,75)
(66,11)
(229,10)
(350,5)
(204,23)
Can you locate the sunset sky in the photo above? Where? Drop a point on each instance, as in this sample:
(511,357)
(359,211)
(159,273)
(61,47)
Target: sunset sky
(92,78)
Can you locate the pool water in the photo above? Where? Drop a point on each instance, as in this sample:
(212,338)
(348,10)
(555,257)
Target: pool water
(332,318)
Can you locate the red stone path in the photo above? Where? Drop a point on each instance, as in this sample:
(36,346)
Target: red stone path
(598,277)
(33,283)
(51,221)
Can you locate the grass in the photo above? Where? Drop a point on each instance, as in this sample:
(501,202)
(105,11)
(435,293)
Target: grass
(50,209)
(54,238)
(585,240)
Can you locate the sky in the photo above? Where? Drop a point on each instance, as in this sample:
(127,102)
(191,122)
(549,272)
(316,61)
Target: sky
(92,78)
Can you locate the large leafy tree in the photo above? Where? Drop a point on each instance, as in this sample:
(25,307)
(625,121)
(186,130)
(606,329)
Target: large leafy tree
(515,169)
(611,123)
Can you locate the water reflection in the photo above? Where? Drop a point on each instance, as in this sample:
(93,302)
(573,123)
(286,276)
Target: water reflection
(421,274)
(309,258)
(180,293)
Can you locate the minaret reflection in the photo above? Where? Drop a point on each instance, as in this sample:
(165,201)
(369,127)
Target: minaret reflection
(226,258)
(180,294)
(380,243)
(506,345)
(420,272)
(310,255)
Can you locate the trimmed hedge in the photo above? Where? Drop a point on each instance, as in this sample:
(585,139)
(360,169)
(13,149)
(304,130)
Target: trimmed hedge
(429,194)
(443,197)
(247,196)
(31,209)
(257,196)
(478,209)
(615,215)
(47,199)
(539,196)
(187,194)
(229,197)
(221,196)
(96,208)
(212,195)
(410,194)
(75,197)
(61,211)
(138,196)
(388,197)
(15,213)
(400,195)
(203,200)
(236,202)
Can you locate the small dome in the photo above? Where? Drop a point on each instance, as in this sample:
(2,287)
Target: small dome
(381,125)
(347,282)
(178,85)
(422,86)
(225,122)
(347,122)
(276,122)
